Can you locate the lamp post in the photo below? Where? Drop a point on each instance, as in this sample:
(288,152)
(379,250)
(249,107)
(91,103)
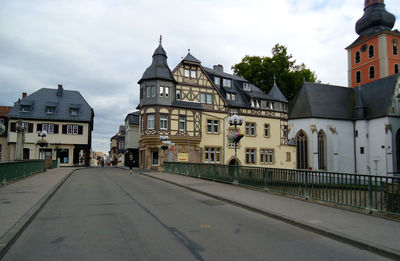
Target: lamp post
(167,144)
(236,120)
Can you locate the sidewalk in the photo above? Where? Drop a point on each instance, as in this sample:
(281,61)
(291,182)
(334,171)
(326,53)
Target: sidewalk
(20,201)
(369,232)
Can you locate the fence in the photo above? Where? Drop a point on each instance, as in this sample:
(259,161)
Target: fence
(10,171)
(374,193)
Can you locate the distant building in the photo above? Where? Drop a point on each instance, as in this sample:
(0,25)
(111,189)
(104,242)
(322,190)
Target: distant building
(117,147)
(191,105)
(64,115)
(4,154)
(132,137)
(356,129)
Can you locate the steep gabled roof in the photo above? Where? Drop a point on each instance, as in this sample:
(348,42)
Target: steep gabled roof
(191,59)
(276,94)
(44,97)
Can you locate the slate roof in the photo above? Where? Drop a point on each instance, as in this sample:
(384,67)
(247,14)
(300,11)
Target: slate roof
(133,118)
(276,94)
(159,68)
(187,105)
(191,59)
(44,97)
(316,100)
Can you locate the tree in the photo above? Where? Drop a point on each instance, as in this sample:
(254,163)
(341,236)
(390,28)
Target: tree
(261,71)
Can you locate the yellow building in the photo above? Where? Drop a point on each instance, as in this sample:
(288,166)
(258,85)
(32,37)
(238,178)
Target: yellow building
(190,107)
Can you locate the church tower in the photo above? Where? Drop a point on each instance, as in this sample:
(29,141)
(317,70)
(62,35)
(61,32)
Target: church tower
(375,53)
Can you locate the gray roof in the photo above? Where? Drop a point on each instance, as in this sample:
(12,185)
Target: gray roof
(276,94)
(159,68)
(316,100)
(187,105)
(133,118)
(44,97)
(191,59)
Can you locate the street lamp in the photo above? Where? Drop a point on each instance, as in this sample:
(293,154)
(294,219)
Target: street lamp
(167,144)
(235,136)
(42,143)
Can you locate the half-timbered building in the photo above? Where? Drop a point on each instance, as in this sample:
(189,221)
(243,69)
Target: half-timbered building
(190,106)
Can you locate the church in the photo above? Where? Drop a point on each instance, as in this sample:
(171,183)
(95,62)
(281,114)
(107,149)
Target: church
(354,129)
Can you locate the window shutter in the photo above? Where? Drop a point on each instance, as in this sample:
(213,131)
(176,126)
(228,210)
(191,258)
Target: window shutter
(55,128)
(39,127)
(80,130)
(64,129)
(12,127)
(30,127)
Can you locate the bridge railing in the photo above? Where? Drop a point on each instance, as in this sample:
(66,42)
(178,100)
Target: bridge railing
(10,171)
(373,193)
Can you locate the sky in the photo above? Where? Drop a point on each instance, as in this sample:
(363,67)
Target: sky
(101,48)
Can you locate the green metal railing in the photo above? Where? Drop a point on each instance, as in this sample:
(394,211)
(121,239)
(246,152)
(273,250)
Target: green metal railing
(374,193)
(10,171)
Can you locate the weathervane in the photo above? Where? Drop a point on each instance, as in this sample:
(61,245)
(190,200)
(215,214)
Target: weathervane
(160,38)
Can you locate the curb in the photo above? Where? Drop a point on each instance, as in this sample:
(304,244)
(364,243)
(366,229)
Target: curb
(359,243)
(9,238)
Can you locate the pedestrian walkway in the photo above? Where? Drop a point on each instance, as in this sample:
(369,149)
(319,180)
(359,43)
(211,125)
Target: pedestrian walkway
(377,234)
(19,201)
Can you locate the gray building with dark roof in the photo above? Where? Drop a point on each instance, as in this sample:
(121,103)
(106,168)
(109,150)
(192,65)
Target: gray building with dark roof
(66,119)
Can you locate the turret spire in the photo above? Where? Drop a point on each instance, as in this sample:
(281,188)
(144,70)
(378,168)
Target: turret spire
(375,18)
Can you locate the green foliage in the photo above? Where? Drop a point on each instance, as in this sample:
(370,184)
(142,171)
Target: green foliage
(261,70)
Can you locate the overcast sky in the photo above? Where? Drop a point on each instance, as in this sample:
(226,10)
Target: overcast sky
(102,47)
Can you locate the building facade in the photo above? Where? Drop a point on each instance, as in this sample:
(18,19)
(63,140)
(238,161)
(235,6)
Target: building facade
(190,106)
(4,154)
(132,137)
(66,119)
(355,129)
(117,147)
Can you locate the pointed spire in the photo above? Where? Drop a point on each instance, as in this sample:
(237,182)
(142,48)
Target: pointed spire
(375,18)
(190,58)
(160,39)
(274,79)
(276,94)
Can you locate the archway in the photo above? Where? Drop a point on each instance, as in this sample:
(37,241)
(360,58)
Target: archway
(233,162)
(302,150)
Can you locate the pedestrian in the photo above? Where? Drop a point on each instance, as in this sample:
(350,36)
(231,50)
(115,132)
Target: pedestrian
(130,163)
(102,163)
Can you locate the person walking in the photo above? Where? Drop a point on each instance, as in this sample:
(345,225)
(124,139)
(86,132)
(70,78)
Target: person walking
(130,163)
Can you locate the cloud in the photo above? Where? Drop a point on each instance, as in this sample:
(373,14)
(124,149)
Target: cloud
(101,47)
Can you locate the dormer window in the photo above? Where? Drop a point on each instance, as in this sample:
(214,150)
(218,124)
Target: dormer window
(217,81)
(247,87)
(255,103)
(231,96)
(178,94)
(50,109)
(74,111)
(25,108)
(270,105)
(226,83)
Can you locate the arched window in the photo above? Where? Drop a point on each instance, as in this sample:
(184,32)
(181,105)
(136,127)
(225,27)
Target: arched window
(395,47)
(371,51)
(396,68)
(302,151)
(358,76)
(372,72)
(321,150)
(358,57)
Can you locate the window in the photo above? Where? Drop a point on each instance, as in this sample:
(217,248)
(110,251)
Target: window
(358,77)
(44,127)
(302,151)
(372,72)
(187,73)
(161,91)
(148,92)
(50,109)
(361,150)
(142,122)
(266,156)
(255,103)
(228,96)
(358,57)
(69,129)
(182,123)
(284,132)
(202,98)
(153,91)
(395,47)
(266,130)
(26,153)
(250,129)
(75,129)
(251,156)
(396,68)
(49,128)
(209,98)
(217,81)
(321,150)
(74,111)
(371,51)
(163,122)
(178,94)
(231,96)
(166,92)
(212,155)
(270,105)
(150,121)
(288,156)
(154,157)
(246,86)
(227,83)
(63,155)
(25,108)
(212,126)
(206,98)
(190,73)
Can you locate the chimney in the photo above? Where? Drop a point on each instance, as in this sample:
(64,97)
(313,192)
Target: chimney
(24,94)
(60,90)
(219,68)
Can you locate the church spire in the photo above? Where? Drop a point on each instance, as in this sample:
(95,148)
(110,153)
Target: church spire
(375,18)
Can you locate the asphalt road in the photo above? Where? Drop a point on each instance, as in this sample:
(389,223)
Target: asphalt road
(107,214)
